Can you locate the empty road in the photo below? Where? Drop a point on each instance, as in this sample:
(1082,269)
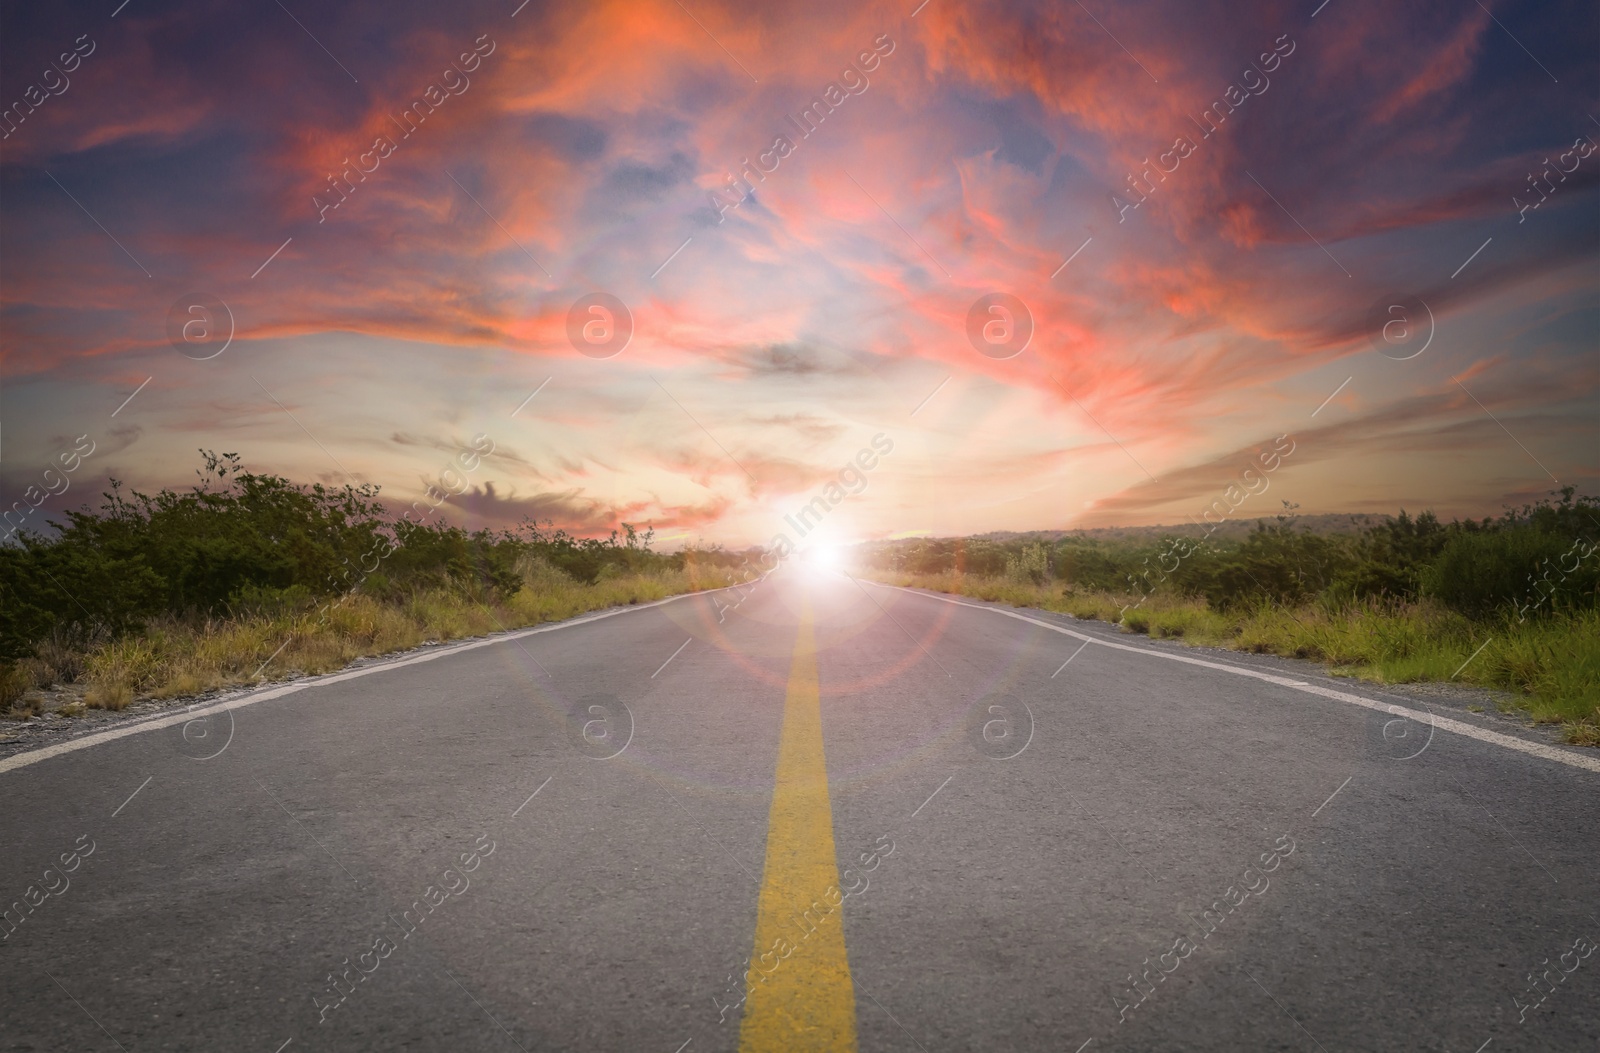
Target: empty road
(837,815)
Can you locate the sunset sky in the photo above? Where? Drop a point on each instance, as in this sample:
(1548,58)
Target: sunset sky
(1376,154)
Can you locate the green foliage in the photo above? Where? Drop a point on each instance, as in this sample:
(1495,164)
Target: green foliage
(1389,558)
(233,532)
(23,617)
(243,544)
(1532,561)
(1276,563)
(1030,566)
(1539,559)
(72,592)
(1401,600)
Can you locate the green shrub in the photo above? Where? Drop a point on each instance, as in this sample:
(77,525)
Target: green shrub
(1480,572)
(1029,566)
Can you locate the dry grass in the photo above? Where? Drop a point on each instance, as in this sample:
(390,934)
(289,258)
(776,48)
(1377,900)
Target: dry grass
(1553,661)
(13,682)
(178,657)
(52,663)
(113,696)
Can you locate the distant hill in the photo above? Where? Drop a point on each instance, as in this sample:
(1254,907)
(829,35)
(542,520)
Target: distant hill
(1238,527)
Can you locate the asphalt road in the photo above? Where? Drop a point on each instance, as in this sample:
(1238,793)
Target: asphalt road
(923,833)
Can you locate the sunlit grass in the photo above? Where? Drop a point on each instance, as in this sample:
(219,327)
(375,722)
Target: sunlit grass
(1552,662)
(178,657)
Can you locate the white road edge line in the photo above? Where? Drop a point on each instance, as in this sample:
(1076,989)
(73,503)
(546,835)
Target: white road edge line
(1494,738)
(23,760)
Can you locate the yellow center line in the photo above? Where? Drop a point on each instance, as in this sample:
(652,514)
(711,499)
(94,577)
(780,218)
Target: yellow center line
(800,993)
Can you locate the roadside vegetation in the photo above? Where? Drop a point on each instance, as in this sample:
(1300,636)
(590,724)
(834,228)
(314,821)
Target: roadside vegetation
(1511,603)
(244,577)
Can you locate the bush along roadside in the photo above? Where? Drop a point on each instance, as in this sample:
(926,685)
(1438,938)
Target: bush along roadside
(245,576)
(1511,603)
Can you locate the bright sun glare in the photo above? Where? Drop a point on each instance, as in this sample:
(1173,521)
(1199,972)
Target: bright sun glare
(824,557)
